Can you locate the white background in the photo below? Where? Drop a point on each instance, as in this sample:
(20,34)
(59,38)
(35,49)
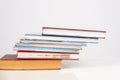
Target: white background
(99,61)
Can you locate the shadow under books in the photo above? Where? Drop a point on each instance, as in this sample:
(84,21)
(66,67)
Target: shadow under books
(90,62)
(36,75)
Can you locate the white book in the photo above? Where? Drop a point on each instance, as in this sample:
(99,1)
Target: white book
(33,55)
(54,38)
(73,32)
(25,41)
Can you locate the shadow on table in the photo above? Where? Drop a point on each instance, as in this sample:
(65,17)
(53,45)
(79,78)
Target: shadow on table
(91,62)
(36,75)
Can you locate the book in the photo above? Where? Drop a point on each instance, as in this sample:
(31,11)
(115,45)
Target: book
(36,55)
(44,49)
(39,37)
(28,41)
(50,46)
(10,62)
(32,51)
(67,32)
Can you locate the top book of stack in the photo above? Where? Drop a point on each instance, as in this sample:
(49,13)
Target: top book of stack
(76,33)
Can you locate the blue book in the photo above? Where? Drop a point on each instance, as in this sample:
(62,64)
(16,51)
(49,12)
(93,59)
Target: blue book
(46,49)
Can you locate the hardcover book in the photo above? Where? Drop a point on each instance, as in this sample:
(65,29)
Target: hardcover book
(67,32)
(10,62)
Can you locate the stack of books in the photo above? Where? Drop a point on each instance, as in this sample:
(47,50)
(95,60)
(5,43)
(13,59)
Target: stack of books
(55,44)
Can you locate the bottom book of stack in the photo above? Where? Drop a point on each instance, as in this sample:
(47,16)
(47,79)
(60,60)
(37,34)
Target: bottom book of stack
(10,61)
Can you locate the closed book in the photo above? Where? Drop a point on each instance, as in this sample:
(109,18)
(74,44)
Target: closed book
(11,62)
(39,37)
(28,41)
(50,45)
(67,32)
(32,51)
(35,55)
(44,49)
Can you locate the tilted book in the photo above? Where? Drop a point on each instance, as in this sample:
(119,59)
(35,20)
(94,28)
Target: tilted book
(28,41)
(39,37)
(67,32)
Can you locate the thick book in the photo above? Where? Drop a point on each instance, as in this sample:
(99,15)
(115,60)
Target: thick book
(67,32)
(10,62)
(36,55)
(39,37)
(50,46)
(44,49)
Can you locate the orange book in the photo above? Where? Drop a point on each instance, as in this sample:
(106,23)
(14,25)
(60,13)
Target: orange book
(10,62)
